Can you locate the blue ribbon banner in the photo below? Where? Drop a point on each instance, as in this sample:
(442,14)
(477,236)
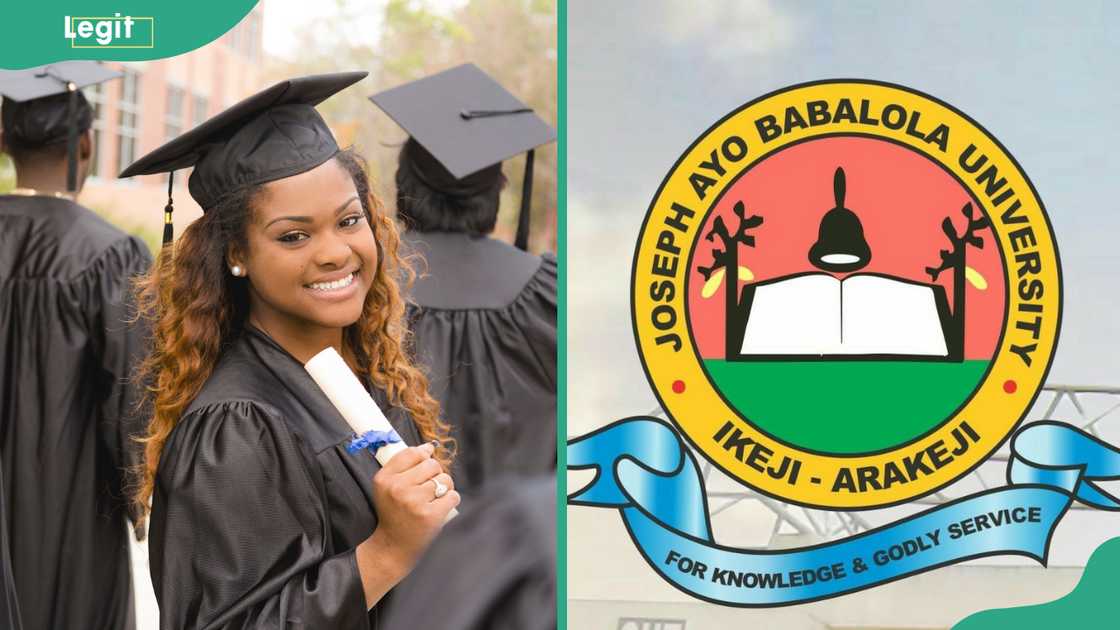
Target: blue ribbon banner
(644,470)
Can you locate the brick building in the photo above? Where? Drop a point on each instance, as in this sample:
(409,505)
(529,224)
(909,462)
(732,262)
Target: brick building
(155,101)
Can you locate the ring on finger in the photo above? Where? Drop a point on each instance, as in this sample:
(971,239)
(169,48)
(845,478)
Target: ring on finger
(441,489)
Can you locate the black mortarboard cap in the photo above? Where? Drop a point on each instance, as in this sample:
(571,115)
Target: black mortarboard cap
(42,106)
(273,134)
(467,122)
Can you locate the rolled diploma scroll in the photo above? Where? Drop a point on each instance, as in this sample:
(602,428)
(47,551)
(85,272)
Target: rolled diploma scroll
(346,393)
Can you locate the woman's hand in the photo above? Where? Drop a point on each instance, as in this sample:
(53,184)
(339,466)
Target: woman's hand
(409,515)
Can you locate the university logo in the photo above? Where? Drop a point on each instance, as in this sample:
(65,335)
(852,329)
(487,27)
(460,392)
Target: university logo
(846,295)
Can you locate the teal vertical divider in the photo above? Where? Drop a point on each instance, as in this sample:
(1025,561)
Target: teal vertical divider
(562,332)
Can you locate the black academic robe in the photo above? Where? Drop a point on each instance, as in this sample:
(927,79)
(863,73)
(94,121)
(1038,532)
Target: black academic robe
(258,507)
(9,605)
(483,316)
(492,568)
(67,409)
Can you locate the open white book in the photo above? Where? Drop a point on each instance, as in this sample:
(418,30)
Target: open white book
(817,314)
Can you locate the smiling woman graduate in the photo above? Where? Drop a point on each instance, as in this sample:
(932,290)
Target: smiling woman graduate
(260,516)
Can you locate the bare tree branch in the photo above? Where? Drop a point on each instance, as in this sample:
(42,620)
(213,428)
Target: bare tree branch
(729,239)
(949,230)
(720,258)
(951,259)
(719,228)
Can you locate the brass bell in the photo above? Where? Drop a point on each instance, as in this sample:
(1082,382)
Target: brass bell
(840,244)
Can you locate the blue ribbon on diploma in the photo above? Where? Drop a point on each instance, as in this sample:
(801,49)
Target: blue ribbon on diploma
(646,473)
(373,440)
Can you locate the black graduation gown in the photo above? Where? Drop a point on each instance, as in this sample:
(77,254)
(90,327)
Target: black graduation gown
(492,568)
(9,605)
(258,507)
(67,409)
(483,315)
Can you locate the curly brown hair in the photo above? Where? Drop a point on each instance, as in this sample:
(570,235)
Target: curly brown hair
(195,310)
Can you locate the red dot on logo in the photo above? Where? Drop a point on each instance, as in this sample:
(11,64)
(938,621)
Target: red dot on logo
(1009,386)
(678,387)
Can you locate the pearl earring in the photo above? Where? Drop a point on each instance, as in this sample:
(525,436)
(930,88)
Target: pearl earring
(237,270)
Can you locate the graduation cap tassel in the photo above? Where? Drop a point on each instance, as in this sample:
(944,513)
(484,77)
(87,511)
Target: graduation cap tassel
(168,226)
(72,138)
(522,240)
(461,158)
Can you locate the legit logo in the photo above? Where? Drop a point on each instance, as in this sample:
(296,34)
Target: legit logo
(110,32)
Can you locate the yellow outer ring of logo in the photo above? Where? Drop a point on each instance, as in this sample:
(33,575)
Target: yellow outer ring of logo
(699,411)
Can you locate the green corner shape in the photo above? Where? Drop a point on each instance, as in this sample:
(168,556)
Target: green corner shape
(1089,606)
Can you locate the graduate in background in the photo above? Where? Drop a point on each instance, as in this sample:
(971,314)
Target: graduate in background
(484,313)
(9,605)
(261,517)
(492,568)
(67,407)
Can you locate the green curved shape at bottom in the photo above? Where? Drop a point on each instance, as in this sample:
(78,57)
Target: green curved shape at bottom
(846,407)
(1090,605)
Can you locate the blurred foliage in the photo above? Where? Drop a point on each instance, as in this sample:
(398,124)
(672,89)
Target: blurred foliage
(152,237)
(515,41)
(7,173)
